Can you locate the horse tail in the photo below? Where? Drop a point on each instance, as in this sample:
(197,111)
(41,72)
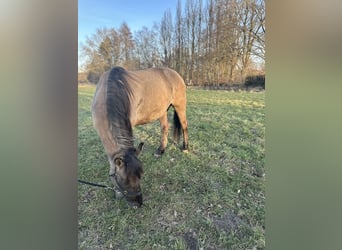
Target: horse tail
(176,127)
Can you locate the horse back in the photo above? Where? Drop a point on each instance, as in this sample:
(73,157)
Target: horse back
(154,91)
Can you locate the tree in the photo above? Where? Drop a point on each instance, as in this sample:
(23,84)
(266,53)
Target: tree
(249,29)
(108,48)
(127,45)
(166,31)
(259,33)
(195,18)
(93,51)
(179,39)
(146,48)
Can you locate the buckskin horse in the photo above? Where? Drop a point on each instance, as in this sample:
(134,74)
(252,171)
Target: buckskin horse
(124,99)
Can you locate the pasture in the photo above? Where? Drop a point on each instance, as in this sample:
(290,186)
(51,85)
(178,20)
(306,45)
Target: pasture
(211,198)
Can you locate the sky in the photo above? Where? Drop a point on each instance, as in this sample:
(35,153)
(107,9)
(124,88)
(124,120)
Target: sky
(93,14)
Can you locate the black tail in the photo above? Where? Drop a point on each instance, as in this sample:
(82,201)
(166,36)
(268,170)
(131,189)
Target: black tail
(176,127)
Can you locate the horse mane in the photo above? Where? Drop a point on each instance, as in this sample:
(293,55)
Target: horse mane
(118,105)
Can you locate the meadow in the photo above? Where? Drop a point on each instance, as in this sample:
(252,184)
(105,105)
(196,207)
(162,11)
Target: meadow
(211,198)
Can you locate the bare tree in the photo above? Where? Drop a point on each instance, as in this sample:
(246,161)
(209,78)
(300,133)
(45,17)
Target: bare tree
(166,31)
(208,40)
(249,27)
(179,39)
(127,45)
(107,48)
(93,54)
(259,33)
(146,48)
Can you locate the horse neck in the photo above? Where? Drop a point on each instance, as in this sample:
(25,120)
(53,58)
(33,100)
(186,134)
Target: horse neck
(118,107)
(123,137)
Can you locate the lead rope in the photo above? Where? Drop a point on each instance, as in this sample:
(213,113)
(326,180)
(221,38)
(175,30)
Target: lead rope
(95,184)
(118,193)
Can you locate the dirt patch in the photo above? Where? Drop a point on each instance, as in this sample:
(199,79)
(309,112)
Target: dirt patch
(228,222)
(191,241)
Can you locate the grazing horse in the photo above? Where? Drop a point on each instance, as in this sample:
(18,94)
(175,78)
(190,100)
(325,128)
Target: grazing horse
(124,99)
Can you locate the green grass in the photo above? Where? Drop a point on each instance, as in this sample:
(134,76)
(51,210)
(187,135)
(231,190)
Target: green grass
(211,198)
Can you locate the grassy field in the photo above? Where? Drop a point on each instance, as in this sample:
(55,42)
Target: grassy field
(211,198)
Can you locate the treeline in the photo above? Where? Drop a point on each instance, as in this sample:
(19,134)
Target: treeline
(210,43)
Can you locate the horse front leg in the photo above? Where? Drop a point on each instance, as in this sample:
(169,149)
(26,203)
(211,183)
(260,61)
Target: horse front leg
(164,132)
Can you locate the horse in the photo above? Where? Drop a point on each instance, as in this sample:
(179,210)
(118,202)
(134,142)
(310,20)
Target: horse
(124,99)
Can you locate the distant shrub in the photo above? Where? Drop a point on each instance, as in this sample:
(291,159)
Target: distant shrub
(93,77)
(82,77)
(256,81)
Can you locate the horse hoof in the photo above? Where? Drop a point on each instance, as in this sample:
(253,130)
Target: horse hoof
(186,151)
(158,153)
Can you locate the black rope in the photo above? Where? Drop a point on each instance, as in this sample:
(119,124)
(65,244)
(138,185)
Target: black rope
(95,184)
(121,189)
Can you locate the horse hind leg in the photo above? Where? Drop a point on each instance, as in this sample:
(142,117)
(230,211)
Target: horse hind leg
(180,120)
(164,133)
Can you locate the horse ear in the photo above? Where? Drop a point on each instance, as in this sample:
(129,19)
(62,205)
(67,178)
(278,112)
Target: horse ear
(139,149)
(119,162)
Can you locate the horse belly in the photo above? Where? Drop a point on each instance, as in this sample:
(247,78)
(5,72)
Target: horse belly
(153,96)
(149,112)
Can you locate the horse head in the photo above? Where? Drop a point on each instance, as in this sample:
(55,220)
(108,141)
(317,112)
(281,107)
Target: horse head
(126,171)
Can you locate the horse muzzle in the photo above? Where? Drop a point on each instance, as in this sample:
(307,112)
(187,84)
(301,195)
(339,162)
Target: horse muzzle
(135,201)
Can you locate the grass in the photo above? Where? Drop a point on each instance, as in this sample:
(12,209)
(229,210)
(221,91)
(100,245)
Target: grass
(211,198)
